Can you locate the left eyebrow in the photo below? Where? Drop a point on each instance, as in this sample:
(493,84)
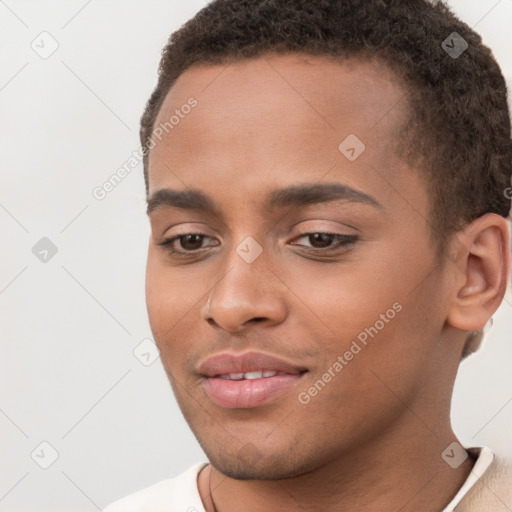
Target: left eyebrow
(304,195)
(294,195)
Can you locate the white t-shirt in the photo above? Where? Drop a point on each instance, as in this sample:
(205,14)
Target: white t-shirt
(181,494)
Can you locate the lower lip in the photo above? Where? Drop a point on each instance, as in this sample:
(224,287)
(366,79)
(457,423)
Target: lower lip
(248,393)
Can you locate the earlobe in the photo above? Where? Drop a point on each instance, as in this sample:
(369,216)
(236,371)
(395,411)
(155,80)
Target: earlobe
(485,267)
(474,340)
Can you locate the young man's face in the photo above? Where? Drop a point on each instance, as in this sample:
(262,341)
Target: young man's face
(354,319)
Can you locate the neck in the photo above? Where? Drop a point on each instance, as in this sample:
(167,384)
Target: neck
(397,471)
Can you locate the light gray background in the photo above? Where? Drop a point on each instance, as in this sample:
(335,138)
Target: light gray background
(69,326)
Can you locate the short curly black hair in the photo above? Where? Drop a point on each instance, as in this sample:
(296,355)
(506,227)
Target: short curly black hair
(458,131)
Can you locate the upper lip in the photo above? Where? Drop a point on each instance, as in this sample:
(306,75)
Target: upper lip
(226,363)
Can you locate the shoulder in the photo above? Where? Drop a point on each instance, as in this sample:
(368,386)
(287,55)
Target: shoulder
(493,490)
(174,494)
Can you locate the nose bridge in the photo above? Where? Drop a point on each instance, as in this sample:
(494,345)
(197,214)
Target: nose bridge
(246,288)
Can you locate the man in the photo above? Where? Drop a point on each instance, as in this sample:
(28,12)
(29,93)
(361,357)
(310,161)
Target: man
(326,188)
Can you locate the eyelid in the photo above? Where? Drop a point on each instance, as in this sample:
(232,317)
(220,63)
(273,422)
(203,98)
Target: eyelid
(168,241)
(188,228)
(325,232)
(346,241)
(319,225)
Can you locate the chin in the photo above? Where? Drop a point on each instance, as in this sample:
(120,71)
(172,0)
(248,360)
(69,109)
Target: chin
(251,464)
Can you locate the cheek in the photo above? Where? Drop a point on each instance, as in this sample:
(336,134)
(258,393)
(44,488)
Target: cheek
(164,302)
(155,293)
(351,296)
(168,297)
(373,311)
(173,302)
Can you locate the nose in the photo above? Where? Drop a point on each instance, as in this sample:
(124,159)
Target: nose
(244,294)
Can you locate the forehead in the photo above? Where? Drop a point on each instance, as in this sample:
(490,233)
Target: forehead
(273,113)
(344,94)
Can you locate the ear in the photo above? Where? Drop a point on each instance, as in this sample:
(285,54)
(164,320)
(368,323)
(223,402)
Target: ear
(484,261)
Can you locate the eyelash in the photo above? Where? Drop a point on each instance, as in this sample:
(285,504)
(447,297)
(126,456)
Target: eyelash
(347,242)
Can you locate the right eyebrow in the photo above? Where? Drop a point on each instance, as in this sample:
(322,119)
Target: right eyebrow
(190,199)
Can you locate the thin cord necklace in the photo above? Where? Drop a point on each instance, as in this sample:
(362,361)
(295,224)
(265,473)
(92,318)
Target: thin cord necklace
(210,487)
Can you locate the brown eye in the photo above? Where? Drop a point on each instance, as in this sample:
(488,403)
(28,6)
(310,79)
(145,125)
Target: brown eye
(320,240)
(191,242)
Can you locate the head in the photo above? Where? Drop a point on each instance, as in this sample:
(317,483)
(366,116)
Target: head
(342,180)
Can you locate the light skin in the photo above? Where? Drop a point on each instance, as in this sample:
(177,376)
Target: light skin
(372,439)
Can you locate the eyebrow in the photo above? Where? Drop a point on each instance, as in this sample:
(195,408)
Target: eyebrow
(292,196)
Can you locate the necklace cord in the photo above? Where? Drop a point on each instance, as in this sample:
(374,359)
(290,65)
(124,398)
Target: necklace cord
(210,487)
